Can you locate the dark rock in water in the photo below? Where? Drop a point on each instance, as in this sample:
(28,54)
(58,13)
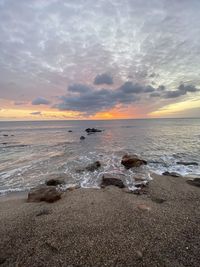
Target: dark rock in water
(44,193)
(54,182)
(70,131)
(5,135)
(94,166)
(195,182)
(130,161)
(187,163)
(173,174)
(82,137)
(91,167)
(110,180)
(93,130)
(4,143)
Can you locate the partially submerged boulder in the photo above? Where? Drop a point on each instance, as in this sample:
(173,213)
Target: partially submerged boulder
(92,130)
(109,179)
(130,161)
(94,166)
(195,182)
(45,193)
(82,137)
(55,182)
(91,167)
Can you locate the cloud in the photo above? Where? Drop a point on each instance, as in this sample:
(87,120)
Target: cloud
(103,79)
(135,88)
(40,101)
(36,113)
(78,88)
(182,90)
(19,103)
(91,100)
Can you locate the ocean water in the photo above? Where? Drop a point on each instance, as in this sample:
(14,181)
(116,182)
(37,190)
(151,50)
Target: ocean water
(31,152)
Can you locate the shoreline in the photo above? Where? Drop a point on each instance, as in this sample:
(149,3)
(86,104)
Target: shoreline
(106,227)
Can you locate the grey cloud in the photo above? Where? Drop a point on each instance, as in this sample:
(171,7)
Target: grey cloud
(135,88)
(40,101)
(91,101)
(78,88)
(182,90)
(155,94)
(103,79)
(36,113)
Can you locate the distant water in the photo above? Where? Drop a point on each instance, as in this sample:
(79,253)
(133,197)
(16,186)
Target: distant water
(33,151)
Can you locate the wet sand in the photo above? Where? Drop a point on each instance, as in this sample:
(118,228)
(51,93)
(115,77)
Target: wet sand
(107,227)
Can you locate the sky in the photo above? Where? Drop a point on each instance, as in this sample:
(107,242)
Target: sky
(103,59)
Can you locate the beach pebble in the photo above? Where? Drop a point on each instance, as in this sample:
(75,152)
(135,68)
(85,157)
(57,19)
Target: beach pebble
(44,193)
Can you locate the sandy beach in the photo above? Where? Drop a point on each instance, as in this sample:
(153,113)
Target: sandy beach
(104,227)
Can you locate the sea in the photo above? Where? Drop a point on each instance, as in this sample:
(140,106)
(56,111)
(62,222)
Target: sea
(32,152)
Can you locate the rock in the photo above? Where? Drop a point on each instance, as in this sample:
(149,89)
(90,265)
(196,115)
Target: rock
(139,179)
(54,182)
(173,174)
(70,131)
(92,130)
(187,163)
(94,166)
(5,135)
(91,167)
(44,193)
(195,182)
(130,161)
(82,137)
(110,180)
(72,188)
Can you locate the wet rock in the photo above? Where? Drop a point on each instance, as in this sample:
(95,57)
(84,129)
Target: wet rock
(70,131)
(72,188)
(130,161)
(139,179)
(173,174)
(94,166)
(195,182)
(110,180)
(92,130)
(44,193)
(187,163)
(82,137)
(91,167)
(5,135)
(54,182)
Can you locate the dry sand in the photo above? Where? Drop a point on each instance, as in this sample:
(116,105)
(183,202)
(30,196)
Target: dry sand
(106,227)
